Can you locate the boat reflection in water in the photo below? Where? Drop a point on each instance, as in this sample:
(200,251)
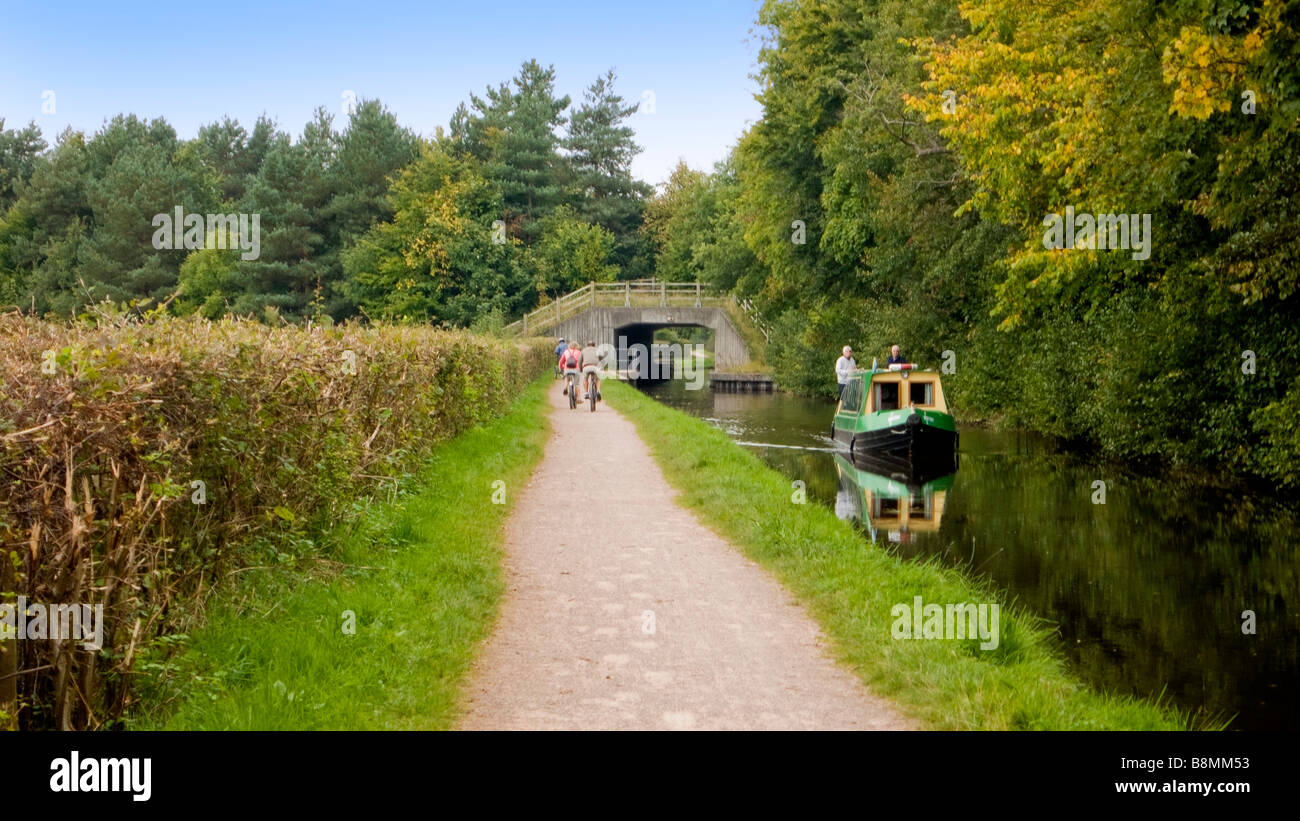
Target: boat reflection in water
(891,499)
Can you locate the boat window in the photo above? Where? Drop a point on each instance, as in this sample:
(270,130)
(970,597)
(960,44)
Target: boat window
(852,398)
(887,508)
(920,507)
(922,393)
(887,396)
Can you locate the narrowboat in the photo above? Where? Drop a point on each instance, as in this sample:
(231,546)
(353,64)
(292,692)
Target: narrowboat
(899,416)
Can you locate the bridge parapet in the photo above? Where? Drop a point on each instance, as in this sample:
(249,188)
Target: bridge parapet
(625,314)
(644,293)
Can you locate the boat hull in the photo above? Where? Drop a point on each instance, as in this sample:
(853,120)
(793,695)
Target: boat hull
(913,448)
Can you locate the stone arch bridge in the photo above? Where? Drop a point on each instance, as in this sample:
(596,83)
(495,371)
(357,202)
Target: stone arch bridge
(624,314)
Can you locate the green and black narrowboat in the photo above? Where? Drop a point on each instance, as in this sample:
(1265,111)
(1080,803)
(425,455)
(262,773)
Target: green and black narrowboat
(898,417)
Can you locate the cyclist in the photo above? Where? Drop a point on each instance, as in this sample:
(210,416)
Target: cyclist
(571,363)
(591,363)
(559,351)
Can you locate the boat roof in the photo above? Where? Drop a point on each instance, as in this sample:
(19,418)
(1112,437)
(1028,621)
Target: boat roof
(887,372)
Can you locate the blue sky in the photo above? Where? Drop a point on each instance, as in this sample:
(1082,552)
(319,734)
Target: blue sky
(192,62)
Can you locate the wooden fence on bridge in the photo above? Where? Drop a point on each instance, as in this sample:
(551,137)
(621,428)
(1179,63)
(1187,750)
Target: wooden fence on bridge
(638,294)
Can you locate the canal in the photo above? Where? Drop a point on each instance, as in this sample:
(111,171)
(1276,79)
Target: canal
(1146,589)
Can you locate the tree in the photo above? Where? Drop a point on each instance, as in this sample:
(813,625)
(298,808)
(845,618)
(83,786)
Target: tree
(720,257)
(600,178)
(437,259)
(82,227)
(138,169)
(19,152)
(514,132)
(233,154)
(572,253)
(77,221)
(919,148)
(676,220)
(374,148)
(209,278)
(298,253)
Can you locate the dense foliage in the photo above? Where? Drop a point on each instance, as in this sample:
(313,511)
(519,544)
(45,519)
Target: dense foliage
(369,219)
(899,185)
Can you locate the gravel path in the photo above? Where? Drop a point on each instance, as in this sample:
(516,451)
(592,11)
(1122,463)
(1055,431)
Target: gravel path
(656,622)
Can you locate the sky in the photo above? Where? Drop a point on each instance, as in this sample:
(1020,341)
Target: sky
(194,62)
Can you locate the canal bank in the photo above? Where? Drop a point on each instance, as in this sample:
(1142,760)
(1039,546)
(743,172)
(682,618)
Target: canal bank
(854,590)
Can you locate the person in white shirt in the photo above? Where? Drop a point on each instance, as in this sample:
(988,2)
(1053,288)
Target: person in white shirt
(844,367)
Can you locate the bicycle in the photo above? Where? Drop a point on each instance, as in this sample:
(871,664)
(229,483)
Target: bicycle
(572,389)
(590,382)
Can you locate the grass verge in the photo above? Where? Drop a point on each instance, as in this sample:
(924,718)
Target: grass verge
(423,577)
(850,586)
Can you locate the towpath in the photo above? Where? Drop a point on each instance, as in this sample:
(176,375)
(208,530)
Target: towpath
(640,617)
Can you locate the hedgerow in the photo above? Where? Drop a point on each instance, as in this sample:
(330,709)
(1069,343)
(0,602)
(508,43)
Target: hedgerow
(142,462)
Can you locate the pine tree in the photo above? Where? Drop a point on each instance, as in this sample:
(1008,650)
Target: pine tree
(515,132)
(82,228)
(229,150)
(600,178)
(475,134)
(44,229)
(290,194)
(374,148)
(19,152)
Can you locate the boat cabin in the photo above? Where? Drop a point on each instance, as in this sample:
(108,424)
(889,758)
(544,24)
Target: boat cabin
(893,390)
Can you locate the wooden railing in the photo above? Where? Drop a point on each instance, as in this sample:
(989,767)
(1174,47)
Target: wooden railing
(751,312)
(642,293)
